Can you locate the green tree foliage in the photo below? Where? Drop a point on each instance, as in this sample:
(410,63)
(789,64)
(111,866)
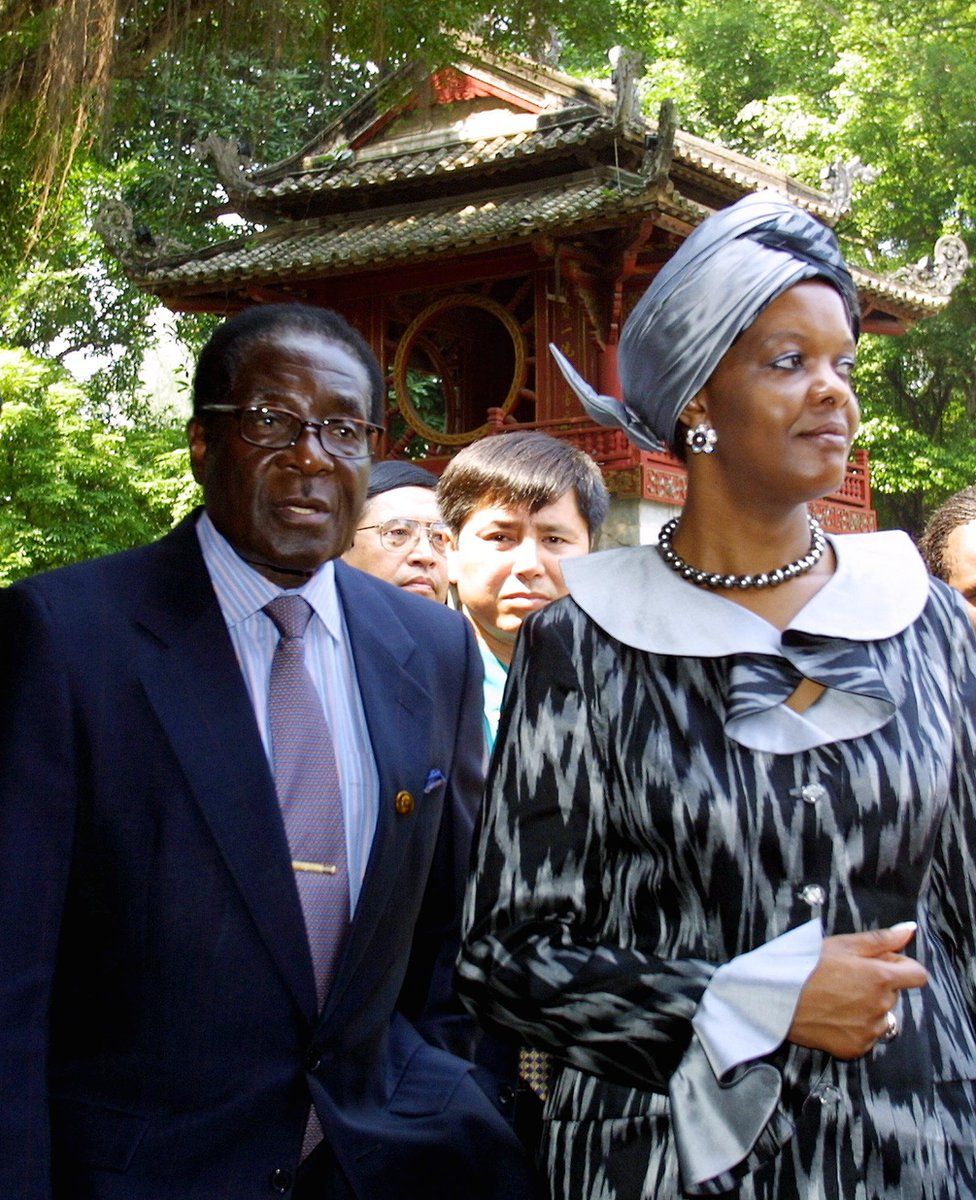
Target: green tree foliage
(124,89)
(918,398)
(71,298)
(800,83)
(73,484)
(59,61)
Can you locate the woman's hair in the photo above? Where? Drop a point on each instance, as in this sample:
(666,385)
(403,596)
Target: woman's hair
(958,510)
(523,468)
(222,355)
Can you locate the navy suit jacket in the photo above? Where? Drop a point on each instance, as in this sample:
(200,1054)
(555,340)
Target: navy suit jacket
(158,1029)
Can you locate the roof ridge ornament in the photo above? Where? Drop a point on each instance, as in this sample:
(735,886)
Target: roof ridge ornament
(229,161)
(550,48)
(127,241)
(628,71)
(838,180)
(659,146)
(940,271)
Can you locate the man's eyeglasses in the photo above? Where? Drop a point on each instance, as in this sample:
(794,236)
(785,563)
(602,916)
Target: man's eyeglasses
(401,533)
(276,428)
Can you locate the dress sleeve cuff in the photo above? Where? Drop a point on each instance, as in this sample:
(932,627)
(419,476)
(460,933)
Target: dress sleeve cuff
(748,1006)
(744,1014)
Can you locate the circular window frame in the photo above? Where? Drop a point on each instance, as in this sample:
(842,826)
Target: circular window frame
(409,342)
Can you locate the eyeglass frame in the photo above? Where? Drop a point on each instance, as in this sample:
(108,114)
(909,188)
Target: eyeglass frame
(417,526)
(305,423)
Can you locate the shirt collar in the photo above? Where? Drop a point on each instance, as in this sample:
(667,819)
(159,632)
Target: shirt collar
(242,591)
(496,672)
(879,588)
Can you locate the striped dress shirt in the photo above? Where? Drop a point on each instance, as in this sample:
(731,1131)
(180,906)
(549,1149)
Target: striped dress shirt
(242,593)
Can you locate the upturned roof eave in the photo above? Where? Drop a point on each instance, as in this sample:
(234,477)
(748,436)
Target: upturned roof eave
(339,188)
(167,277)
(343,128)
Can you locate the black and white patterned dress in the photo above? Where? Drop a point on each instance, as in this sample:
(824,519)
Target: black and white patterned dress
(655,811)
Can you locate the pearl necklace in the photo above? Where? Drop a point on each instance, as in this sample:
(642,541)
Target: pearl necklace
(799,566)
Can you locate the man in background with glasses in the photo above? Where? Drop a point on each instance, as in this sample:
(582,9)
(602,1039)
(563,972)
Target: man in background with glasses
(400,536)
(237,785)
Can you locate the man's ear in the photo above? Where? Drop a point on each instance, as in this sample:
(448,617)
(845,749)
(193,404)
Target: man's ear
(196,436)
(695,411)
(452,561)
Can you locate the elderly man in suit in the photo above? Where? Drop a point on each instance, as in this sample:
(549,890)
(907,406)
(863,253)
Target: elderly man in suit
(237,784)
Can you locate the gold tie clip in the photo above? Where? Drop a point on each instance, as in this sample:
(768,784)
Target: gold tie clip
(315,868)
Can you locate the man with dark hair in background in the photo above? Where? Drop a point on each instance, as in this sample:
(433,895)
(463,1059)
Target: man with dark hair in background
(948,545)
(517,504)
(237,785)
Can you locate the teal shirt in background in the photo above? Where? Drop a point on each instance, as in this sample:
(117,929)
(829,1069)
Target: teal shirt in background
(496,673)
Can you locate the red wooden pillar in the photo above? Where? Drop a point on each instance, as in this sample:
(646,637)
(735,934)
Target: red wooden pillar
(608,377)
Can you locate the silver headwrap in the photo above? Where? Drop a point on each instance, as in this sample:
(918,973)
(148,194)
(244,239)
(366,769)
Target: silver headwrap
(720,279)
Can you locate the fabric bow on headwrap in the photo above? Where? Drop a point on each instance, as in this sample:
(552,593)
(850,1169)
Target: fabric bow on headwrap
(716,284)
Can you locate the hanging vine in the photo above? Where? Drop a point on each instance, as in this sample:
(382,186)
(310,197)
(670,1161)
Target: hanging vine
(60,58)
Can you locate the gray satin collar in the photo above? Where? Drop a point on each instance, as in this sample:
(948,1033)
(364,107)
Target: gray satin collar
(879,588)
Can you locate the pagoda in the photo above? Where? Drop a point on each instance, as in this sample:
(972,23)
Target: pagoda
(463,219)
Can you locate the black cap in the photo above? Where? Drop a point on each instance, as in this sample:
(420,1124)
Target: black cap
(396,473)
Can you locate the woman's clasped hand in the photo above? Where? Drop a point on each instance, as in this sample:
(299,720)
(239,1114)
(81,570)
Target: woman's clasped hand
(844,1005)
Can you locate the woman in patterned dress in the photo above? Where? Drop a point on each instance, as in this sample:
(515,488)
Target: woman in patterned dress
(724,874)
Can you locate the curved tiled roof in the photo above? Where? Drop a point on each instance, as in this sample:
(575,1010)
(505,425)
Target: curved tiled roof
(347,242)
(747,175)
(493,172)
(351,171)
(887,292)
(555,134)
(302,249)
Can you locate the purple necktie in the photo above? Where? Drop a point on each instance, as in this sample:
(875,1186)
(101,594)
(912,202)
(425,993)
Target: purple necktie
(307,783)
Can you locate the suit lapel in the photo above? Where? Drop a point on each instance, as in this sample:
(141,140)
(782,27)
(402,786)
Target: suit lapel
(191,676)
(398,710)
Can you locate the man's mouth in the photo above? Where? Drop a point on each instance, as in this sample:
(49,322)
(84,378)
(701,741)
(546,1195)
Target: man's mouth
(420,583)
(303,507)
